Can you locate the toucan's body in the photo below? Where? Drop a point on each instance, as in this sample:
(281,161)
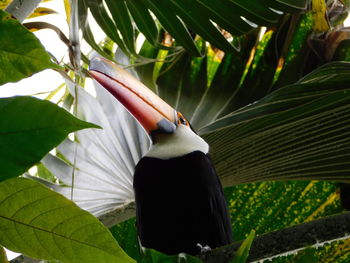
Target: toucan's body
(180,206)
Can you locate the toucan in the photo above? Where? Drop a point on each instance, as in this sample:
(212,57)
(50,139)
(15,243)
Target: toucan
(180,205)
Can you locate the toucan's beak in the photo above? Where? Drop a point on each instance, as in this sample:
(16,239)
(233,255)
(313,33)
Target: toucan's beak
(154,114)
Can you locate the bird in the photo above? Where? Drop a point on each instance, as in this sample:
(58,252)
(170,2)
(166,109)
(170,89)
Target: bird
(180,204)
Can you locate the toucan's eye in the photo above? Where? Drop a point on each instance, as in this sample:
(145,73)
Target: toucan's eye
(182,120)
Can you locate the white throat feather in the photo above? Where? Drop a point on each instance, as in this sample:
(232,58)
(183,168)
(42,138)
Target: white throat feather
(183,141)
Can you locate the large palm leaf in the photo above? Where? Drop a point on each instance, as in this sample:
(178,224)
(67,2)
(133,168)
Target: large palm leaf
(182,18)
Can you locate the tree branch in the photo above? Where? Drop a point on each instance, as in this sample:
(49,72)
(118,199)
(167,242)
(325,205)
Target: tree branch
(288,239)
(118,215)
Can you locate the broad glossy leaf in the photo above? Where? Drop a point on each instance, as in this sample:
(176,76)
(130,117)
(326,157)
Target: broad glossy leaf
(21,53)
(29,129)
(297,132)
(40,223)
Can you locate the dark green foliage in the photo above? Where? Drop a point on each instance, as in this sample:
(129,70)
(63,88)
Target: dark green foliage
(30,128)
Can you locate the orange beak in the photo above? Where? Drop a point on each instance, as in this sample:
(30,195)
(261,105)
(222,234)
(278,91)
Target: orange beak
(154,114)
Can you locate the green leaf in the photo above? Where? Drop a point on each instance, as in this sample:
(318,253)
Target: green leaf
(43,172)
(143,20)
(173,24)
(243,251)
(126,235)
(102,17)
(3,257)
(192,14)
(21,53)
(87,33)
(297,132)
(186,19)
(123,22)
(29,129)
(41,223)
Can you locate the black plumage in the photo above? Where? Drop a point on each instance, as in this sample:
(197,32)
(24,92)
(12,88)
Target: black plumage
(180,203)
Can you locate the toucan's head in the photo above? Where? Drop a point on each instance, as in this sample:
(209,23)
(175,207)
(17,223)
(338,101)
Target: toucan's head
(169,130)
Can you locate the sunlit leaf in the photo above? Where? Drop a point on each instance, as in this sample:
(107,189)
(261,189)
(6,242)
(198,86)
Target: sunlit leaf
(40,223)
(320,19)
(4,3)
(42,11)
(67,8)
(21,53)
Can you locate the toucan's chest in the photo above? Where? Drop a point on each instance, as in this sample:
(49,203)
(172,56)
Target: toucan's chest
(193,172)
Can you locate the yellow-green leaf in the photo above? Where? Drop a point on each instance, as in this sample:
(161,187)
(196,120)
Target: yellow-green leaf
(41,223)
(42,11)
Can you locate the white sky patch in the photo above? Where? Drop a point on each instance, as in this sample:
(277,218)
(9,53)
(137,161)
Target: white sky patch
(11,255)
(347,21)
